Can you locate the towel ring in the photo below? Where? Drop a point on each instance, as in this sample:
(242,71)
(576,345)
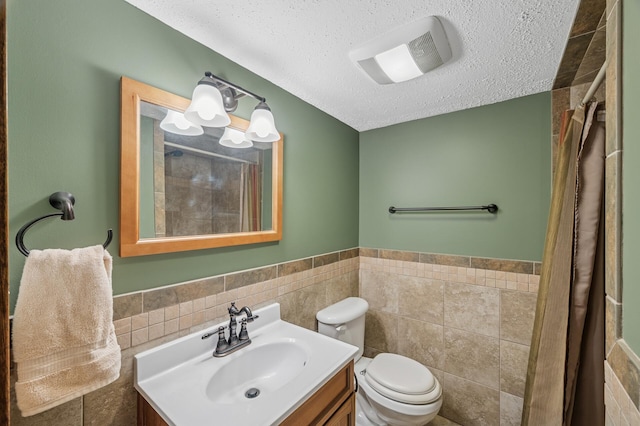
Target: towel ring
(62,201)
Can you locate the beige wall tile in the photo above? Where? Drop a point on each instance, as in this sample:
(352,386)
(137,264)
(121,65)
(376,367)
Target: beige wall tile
(171,326)
(295,266)
(422,341)
(244,278)
(349,254)
(445,259)
(469,403)
(407,314)
(156,331)
(171,312)
(472,356)
(198,304)
(380,290)
(472,308)
(185,292)
(368,252)
(310,300)
(626,369)
(420,298)
(127,305)
(186,308)
(288,307)
(514,358)
(139,321)
(185,322)
(122,326)
(408,256)
(517,313)
(441,421)
(156,317)
(612,408)
(341,287)
(510,409)
(381,331)
(326,259)
(124,340)
(512,266)
(139,336)
(114,404)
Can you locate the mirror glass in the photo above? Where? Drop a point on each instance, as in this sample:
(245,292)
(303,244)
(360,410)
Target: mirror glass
(192,188)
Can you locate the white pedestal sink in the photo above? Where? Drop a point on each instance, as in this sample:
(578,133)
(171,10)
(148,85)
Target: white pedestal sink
(260,384)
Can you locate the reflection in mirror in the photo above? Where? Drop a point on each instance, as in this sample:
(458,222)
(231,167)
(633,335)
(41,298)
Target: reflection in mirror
(195,187)
(200,186)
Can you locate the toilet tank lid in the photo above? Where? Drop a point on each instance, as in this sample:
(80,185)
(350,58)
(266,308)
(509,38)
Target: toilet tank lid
(343,311)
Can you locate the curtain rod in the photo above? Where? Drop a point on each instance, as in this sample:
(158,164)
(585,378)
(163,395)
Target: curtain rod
(207,153)
(596,83)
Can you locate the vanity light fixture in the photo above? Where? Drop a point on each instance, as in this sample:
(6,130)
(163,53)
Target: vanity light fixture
(233,138)
(175,122)
(213,97)
(404,53)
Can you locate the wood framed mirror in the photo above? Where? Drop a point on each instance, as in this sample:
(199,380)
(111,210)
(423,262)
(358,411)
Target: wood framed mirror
(189,192)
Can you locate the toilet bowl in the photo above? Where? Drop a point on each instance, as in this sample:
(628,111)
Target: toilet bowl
(392,389)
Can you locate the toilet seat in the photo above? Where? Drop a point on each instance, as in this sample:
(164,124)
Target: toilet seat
(402,379)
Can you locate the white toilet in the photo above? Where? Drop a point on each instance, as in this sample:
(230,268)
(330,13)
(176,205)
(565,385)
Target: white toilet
(392,389)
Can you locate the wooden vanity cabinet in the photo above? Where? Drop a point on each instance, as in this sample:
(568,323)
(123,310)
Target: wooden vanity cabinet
(147,415)
(334,404)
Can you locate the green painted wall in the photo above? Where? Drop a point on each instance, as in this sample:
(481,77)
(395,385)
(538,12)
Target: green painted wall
(493,154)
(65,59)
(631,174)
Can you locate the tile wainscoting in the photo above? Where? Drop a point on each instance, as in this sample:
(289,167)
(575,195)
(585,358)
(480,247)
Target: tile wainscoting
(468,319)
(147,319)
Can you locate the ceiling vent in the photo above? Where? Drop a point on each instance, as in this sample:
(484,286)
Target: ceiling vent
(404,53)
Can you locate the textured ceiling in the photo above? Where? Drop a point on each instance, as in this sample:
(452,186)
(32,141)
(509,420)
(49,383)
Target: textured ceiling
(502,49)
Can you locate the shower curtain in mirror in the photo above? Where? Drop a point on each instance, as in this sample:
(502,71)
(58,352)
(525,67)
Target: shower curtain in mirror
(565,375)
(251,198)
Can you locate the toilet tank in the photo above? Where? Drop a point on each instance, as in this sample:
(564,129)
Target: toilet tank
(345,321)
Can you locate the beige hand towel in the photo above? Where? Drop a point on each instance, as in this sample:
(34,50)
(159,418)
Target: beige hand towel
(64,341)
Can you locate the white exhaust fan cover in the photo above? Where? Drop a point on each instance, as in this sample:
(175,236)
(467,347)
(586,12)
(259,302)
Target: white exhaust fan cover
(404,53)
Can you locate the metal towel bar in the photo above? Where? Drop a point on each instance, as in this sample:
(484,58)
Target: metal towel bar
(491,208)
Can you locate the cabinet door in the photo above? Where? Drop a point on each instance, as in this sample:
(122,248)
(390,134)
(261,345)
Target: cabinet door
(147,416)
(346,414)
(321,406)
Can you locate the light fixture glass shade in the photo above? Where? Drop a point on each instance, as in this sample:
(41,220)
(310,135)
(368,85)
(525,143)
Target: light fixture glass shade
(235,139)
(262,127)
(175,122)
(207,108)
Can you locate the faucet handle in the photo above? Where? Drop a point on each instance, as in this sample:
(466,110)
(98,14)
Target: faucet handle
(222,341)
(252,317)
(211,333)
(244,335)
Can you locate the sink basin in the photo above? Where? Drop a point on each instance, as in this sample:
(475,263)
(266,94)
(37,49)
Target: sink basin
(258,371)
(260,384)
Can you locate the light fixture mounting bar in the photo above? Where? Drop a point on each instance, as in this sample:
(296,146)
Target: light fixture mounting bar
(235,87)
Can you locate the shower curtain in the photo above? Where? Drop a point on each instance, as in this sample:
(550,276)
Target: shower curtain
(565,375)
(251,198)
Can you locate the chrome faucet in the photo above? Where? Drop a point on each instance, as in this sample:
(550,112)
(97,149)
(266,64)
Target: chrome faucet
(234,342)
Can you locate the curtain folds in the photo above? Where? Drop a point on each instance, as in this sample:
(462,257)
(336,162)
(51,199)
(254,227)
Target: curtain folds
(566,360)
(251,198)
